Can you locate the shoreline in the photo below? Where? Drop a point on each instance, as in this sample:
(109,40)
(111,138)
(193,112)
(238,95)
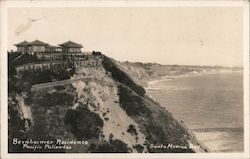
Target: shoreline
(214,141)
(173,77)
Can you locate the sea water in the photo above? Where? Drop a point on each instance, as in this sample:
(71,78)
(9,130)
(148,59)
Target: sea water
(206,101)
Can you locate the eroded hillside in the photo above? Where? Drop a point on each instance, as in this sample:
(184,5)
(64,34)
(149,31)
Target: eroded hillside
(104,108)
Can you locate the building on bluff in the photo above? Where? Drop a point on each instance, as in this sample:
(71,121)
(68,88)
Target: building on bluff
(55,57)
(45,51)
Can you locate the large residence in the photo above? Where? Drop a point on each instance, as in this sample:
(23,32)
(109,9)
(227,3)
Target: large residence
(44,51)
(39,46)
(56,58)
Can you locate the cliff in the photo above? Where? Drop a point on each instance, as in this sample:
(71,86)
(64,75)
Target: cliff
(101,106)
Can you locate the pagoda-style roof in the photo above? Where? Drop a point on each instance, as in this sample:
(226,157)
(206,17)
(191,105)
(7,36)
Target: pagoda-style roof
(24,43)
(71,44)
(38,43)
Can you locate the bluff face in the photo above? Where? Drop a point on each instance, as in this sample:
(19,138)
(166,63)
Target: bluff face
(101,106)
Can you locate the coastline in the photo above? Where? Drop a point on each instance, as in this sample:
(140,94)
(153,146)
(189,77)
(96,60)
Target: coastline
(192,74)
(214,141)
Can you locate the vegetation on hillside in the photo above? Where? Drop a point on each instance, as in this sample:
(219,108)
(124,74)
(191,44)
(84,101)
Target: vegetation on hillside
(16,126)
(121,76)
(157,124)
(132,103)
(17,58)
(83,123)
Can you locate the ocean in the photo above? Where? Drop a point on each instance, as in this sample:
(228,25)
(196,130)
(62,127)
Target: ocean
(206,101)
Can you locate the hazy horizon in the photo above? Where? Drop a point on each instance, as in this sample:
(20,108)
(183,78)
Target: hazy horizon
(191,65)
(207,36)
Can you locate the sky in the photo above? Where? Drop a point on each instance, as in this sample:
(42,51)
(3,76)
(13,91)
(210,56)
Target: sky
(165,35)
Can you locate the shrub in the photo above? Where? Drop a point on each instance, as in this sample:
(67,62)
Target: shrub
(83,123)
(132,104)
(139,148)
(132,130)
(96,53)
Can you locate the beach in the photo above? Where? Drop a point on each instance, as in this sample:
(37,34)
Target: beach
(205,100)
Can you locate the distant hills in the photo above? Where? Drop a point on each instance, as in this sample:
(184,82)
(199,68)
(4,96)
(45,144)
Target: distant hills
(144,72)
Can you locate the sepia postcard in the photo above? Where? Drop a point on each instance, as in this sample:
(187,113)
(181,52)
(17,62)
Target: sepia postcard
(124,79)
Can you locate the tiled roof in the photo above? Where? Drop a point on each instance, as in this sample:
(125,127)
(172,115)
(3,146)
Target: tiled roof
(52,46)
(71,44)
(24,43)
(38,42)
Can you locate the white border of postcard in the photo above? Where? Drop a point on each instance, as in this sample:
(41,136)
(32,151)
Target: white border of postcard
(5,4)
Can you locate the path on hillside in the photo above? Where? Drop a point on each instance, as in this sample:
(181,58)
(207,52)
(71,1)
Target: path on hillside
(69,81)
